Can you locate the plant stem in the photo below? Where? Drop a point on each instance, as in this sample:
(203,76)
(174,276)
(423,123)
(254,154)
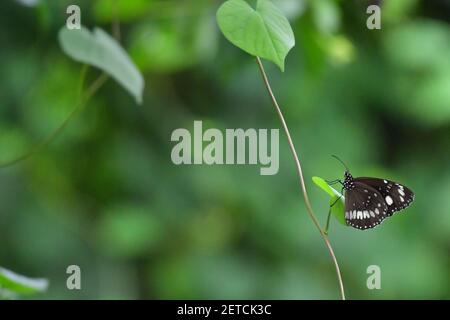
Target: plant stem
(300,176)
(93,88)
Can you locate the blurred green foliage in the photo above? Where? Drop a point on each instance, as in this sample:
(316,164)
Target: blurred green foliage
(106,196)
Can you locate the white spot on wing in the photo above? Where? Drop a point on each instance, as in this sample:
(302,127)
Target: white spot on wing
(389,200)
(359,215)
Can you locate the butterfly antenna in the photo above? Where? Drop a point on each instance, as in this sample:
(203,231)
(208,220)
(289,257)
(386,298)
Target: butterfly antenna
(336,157)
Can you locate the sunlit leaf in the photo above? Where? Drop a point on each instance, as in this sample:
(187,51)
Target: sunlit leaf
(99,49)
(16,284)
(338,209)
(264,32)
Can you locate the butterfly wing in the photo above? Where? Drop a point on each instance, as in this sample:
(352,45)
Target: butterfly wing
(396,196)
(365,207)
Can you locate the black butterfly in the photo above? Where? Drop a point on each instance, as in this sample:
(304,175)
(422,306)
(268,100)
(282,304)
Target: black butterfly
(368,201)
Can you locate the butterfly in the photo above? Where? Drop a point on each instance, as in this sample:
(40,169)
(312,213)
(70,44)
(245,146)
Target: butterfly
(368,201)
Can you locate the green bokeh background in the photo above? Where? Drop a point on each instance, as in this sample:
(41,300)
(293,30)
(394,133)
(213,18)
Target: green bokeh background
(106,196)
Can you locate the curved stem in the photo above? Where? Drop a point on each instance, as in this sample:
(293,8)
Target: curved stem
(300,176)
(94,87)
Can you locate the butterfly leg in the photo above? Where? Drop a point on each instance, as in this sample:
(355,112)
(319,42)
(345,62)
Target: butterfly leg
(332,205)
(329,212)
(331,182)
(328,221)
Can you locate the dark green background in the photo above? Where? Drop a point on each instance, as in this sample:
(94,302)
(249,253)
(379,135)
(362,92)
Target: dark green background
(106,196)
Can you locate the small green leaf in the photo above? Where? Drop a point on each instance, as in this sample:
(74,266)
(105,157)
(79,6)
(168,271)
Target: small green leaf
(338,209)
(264,32)
(99,49)
(13,283)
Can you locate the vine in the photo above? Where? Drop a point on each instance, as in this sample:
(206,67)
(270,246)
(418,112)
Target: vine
(264,32)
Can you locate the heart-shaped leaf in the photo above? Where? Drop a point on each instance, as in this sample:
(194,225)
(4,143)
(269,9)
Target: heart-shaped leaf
(17,284)
(264,32)
(99,49)
(338,209)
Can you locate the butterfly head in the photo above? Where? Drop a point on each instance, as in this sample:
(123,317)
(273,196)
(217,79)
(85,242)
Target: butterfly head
(348,183)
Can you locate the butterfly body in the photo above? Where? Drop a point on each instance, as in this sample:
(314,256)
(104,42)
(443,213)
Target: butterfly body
(368,201)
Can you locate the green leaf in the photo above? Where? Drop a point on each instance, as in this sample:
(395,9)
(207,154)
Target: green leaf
(264,32)
(338,209)
(99,49)
(11,282)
